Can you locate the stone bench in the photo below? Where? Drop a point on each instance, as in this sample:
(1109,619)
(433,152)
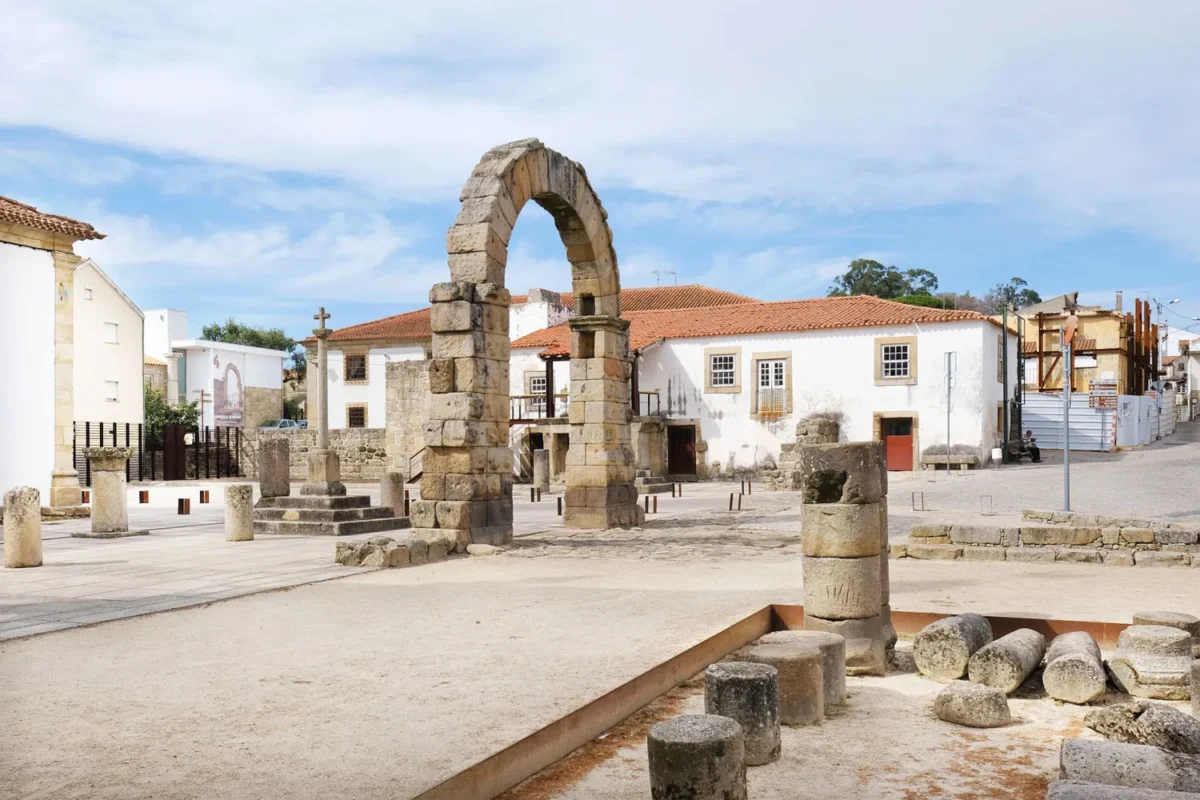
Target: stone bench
(960,461)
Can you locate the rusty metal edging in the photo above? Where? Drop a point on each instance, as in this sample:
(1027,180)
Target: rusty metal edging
(525,758)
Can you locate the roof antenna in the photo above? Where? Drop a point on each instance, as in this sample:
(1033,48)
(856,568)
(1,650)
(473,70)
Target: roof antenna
(658,273)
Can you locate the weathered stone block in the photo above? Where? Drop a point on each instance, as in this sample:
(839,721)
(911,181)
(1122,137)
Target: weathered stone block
(1078,555)
(1136,536)
(748,694)
(697,756)
(943,649)
(239,512)
(1152,724)
(801,680)
(1032,555)
(22,527)
(441,375)
(930,532)
(1159,558)
(934,552)
(866,641)
(842,588)
(274,467)
(975,534)
(983,553)
(854,472)
(1175,536)
(972,705)
(1074,669)
(1006,662)
(897,550)
(1118,558)
(1131,765)
(1059,536)
(455,316)
(837,530)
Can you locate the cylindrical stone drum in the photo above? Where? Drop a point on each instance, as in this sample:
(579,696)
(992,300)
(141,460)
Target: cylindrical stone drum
(749,695)
(239,512)
(1007,662)
(22,527)
(801,680)
(842,588)
(943,648)
(698,757)
(1074,669)
(833,658)
(1171,619)
(541,470)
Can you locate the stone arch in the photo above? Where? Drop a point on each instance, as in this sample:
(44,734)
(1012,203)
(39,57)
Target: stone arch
(468,467)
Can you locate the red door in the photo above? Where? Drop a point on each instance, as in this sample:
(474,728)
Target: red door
(898,443)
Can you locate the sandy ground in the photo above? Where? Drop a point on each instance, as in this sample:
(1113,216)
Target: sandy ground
(383,684)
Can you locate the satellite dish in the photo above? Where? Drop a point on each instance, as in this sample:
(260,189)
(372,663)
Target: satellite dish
(1069,335)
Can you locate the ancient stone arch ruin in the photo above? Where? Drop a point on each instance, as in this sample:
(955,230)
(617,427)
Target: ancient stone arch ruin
(468,467)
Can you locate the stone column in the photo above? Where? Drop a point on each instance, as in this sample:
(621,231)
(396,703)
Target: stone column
(239,512)
(274,468)
(600,491)
(324,466)
(391,492)
(64,482)
(541,469)
(110,510)
(22,527)
(844,519)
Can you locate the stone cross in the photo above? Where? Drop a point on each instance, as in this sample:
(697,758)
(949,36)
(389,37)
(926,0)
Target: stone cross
(322,334)
(320,317)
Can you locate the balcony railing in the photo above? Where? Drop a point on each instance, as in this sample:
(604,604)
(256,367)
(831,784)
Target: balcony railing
(532,407)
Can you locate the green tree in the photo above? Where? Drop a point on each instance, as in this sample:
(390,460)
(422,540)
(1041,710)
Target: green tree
(865,276)
(234,332)
(926,300)
(1015,294)
(159,413)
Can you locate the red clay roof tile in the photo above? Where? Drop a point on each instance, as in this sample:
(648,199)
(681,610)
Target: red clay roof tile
(17,213)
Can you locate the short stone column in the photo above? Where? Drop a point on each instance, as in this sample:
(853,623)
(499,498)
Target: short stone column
(1171,619)
(749,695)
(391,492)
(274,468)
(1074,669)
(1153,661)
(697,756)
(801,680)
(833,658)
(110,509)
(239,512)
(844,541)
(22,527)
(541,470)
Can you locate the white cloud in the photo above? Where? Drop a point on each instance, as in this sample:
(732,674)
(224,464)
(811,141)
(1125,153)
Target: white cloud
(1084,113)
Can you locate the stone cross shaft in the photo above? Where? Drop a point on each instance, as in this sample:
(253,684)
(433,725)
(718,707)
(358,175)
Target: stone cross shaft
(322,334)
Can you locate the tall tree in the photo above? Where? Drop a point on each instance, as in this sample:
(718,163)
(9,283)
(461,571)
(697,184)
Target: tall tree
(865,276)
(1016,294)
(234,332)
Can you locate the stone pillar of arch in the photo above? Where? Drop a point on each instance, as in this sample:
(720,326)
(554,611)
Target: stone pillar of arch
(468,467)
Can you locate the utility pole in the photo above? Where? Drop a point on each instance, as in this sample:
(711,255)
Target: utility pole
(1064,339)
(951,363)
(205,397)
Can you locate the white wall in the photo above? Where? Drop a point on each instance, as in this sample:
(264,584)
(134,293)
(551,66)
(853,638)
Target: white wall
(534,315)
(833,371)
(97,361)
(373,393)
(27,299)
(163,326)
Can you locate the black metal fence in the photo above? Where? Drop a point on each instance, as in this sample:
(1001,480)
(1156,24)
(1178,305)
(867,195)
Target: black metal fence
(162,455)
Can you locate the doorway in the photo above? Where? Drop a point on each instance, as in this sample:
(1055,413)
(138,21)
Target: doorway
(898,443)
(681,450)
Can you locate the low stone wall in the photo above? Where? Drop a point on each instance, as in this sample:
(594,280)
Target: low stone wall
(1145,543)
(786,474)
(363,452)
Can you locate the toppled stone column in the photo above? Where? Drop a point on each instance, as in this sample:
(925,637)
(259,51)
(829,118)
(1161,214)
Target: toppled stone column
(239,512)
(972,705)
(1153,661)
(1142,722)
(391,492)
(274,468)
(943,649)
(1079,790)
(1074,669)
(1133,765)
(801,680)
(833,658)
(1196,689)
(749,695)
(697,756)
(844,538)
(110,510)
(1005,663)
(541,470)
(1170,619)
(22,527)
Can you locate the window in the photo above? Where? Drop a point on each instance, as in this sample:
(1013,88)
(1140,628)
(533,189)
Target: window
(110,391)
(537,388)
(356,416)
(772,386)
(355,369)
(87,294)
(723,372)
(110,332)
(895,361)
(1000,359)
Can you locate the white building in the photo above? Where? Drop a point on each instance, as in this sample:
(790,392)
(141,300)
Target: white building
(37,329)
(359,354)
(239,386)
(738,378)
(108,350)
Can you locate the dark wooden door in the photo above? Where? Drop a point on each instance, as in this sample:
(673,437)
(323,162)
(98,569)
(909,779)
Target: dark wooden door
(681,450)
(174,453)
(898,443)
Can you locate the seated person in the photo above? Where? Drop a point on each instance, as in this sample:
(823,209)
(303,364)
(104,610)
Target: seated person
(1030,443)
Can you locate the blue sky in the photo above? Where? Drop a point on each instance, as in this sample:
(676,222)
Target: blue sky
(257,159)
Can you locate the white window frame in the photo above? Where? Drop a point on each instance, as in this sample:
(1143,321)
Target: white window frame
(537,388)
(116,333)
(772,385)
(895,368)
(723,376)
(87,293)
(112,391)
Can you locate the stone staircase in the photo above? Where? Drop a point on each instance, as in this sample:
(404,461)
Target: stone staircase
(648,483)
(324,516)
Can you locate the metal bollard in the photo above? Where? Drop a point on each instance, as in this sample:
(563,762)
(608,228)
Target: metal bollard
(731,501)
(185,505)
(407,504)
(204,495)
(560,506)
(531,491)
(143,496)
(85,496)
(672,490)
(647,499)
(914,501)
(539,494)
(680,489)
(750,487)
(739,502)
(655,504)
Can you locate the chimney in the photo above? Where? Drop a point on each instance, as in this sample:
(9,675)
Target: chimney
(1120,294)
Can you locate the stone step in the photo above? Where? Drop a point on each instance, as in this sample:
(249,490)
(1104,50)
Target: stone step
(314,501)
(323,514)
(348,528)
(652,487)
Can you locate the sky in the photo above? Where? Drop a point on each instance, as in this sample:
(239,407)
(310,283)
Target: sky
(260,158)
